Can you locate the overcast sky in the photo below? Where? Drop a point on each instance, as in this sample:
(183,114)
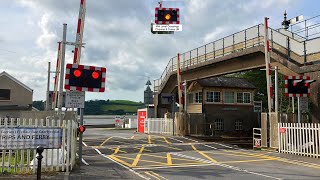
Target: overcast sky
(117,36)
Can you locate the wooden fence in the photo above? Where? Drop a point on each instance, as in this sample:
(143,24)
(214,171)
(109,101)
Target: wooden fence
(24,161)
(300,139)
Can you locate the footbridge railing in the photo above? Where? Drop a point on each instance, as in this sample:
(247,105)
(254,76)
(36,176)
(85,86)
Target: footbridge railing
(296,48)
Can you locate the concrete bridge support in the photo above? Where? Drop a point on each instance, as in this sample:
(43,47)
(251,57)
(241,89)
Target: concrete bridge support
(315,96)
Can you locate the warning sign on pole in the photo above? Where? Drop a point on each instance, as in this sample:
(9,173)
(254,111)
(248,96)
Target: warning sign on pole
(75,99)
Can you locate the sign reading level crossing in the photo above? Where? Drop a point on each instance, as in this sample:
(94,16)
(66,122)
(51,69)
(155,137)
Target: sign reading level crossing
(75,99)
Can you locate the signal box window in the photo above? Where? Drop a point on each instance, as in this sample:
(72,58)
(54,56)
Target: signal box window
(5,94)
(238,125)
(218,124)
(213,96)
(229,97)
(198,97)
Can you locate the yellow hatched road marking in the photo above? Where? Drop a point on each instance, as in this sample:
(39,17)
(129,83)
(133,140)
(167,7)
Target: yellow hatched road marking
(231,154)
(136,160)
(105,141)
(203,154)
(155,162)
(180,159)
(119,160)
(244,161)
(175,165)
(165,139)
(116,150)
(250,154)
(149,139)
(169,160)
(173,148)
(143,150)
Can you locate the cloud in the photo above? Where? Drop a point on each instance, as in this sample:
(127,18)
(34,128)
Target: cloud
(117,36)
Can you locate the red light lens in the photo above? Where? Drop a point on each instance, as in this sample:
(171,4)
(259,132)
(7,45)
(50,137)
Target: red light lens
(77,73)
(306,84)
(95,75)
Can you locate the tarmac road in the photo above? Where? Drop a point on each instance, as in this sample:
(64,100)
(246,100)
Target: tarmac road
(125,154)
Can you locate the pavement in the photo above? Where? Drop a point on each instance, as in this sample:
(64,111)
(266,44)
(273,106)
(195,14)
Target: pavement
(125,154)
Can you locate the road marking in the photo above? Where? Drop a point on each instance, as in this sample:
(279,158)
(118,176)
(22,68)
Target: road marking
(225,145)
(169,147)
(298,163)
(203,154)
(105,141)
(189,139)
(136,160)
(116,151)
(155,162)
(210,146)
(148,173)
(161,177)
(84,144)
(176,166)
(175,139)
(132,137)
(244,161)
(143,150)
(122,165)
(149,139)
(169,160)
(127,167)
(165,139)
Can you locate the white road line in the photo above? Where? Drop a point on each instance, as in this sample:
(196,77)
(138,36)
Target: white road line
(175,139)
(84,144)
(131,170)
(210,146)
(85,162)
(225,145)
(189,139)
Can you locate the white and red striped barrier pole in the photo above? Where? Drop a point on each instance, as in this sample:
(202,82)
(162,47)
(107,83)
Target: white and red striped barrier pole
(268,65)
(80,26)
(55,87)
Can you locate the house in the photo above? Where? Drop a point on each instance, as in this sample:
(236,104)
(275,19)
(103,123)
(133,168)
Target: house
(221,105)
(14,96)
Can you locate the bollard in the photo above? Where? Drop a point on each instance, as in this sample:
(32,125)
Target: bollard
(39,157)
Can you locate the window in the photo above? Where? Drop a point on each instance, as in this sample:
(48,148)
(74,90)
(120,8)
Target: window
(243,97)
(198,96)
(229,97)
(238,124)
(213,96)
(218,124)
(190,97)
(5,94)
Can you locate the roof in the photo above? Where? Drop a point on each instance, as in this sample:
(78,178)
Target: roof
(222,81)
(15,80)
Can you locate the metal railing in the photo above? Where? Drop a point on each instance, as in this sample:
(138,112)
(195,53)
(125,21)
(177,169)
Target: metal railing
(295,49)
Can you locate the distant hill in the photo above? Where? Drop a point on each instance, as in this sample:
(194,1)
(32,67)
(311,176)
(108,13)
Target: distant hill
(104,107)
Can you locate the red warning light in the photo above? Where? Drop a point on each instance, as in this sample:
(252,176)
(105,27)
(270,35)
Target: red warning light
(77,73)
(82,128)
(95,75)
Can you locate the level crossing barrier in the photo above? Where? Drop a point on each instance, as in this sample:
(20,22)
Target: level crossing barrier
(24,160)
(300,139)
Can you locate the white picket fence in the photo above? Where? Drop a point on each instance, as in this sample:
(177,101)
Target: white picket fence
(300,139)
(24,161)
(159,126)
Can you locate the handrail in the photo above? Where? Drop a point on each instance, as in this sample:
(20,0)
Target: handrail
(246,41)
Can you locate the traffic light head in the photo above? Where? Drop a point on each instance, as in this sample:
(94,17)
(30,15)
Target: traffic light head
(167,16)
(81,129)
(85,78)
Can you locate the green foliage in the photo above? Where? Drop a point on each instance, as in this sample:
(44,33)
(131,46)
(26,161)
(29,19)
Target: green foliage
(111,107)
(39,105)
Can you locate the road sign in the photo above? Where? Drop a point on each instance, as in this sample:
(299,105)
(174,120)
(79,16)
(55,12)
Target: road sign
(257,143)
(282,130)
(75,99)
(30,138)
(303,104)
